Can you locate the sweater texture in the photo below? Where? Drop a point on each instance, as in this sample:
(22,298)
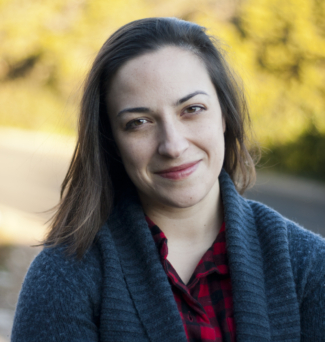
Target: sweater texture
(120,292)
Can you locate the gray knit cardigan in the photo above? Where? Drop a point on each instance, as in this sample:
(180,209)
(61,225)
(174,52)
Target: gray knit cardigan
(120,292)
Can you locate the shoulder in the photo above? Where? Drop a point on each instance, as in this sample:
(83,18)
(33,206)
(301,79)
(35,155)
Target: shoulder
(306,249)
(302,243)
(307,252)
(59,291)
(54,266)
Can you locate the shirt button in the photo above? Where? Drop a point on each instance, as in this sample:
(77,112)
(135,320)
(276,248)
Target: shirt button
(190,318)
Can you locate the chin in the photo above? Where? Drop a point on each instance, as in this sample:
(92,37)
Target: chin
(181,200)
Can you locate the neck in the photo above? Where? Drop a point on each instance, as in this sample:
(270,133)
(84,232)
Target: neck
(195,225)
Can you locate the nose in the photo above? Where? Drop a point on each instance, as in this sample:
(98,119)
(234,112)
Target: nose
(173,142)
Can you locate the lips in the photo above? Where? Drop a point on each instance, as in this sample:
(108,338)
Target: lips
(179,172)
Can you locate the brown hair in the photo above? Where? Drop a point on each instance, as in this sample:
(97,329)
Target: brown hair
(96,175)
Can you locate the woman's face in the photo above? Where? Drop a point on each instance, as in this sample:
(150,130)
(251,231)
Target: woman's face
(168,127)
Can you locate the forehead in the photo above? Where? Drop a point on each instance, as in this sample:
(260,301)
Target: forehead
(170,71)
(160,62)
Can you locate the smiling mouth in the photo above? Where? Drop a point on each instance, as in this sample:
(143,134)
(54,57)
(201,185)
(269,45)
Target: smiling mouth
(179,172)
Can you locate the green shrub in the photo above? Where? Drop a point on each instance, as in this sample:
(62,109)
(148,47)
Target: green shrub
(304,156)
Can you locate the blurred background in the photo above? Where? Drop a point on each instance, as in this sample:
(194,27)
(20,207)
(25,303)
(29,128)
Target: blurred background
(47,47)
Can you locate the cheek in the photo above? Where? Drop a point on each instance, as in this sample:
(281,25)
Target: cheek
(135,154)
(214,142)
(210,132)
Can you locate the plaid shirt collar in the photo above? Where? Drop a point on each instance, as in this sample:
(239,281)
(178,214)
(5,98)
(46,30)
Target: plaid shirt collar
(214,260)
(205,303)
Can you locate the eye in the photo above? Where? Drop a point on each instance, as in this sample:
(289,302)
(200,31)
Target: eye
(193,109)
(135,123)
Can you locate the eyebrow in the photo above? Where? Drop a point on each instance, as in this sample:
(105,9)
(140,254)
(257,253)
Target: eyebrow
(189,96)
(147,110)
(134,110)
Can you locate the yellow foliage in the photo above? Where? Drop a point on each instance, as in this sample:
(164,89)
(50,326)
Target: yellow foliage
(278,47)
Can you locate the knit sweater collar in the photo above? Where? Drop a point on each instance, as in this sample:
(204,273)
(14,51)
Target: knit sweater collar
(148,286)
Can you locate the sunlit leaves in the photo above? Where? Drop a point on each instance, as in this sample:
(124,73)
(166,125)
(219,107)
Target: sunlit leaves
(278,47)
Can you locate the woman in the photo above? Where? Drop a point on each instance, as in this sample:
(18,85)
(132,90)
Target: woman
(161,157)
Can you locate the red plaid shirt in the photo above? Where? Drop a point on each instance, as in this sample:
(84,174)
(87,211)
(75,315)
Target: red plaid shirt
(205,303)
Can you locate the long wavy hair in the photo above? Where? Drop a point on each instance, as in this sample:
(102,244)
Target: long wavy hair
(96,174)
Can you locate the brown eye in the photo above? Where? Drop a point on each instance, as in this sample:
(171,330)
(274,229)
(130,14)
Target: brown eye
(193,109)
(135,123)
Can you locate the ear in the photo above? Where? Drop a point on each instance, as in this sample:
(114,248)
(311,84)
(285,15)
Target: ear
(117,151)
(223,124)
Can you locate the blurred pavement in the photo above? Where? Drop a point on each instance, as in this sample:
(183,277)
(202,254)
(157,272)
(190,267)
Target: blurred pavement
(32,168)
(300,200)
